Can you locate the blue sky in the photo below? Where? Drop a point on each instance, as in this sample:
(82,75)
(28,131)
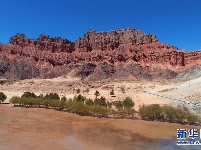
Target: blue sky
(175,22)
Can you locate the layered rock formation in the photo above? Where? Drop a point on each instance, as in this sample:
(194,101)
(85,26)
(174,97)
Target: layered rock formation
(96,55)
(189,74)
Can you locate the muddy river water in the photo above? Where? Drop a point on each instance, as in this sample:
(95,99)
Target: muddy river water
(39,128)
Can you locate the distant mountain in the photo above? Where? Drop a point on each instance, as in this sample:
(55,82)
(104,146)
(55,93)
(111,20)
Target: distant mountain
(97,55)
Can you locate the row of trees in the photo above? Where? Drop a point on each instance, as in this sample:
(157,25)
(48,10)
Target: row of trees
(53,96)
(79,104)
(167,113)
(126,104)
(102,108)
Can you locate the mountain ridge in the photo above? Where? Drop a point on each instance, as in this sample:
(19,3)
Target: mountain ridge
(103,51)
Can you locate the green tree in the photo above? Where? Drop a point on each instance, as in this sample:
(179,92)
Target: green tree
(118,104)
(39,101)
(128,103)
(192,118)
(89,102)
(61,104)
(64,98)
(78,91)
(96,94)
(142,112)
(155,111)
(53,96)
(131,112)
(70,100)
(169,112)
(29,94)
(14,100)
(26,101)
(100,111)
(100,101)
(54,103)
(109,104)
(41,96)
(79,98)
(3,97)
(87,90)
(180,115)
(150,112)
(112,92)
(46,102)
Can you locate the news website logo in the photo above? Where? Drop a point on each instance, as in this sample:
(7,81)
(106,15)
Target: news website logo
(193,135)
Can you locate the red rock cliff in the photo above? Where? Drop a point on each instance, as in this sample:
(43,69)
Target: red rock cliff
(123,46)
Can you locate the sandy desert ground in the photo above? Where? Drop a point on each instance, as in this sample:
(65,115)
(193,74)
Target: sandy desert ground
(135,89)
(66,87)
(39,128)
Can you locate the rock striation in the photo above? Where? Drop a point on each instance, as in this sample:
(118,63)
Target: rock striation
(96,55)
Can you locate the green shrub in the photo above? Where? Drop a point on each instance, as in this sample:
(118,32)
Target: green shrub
(79,98)
(54,103)
(60,104)
(170,113)
(64,98)
(70,100)
(151,112)
(89,102)
(131,111)
(109,104)
(46,102)
(29,94)
(68,105)
(192,118)
(99,110)
(118,104)
(53,96)
(39,101)
(100,101)
(180,115)
(41,96)
(14,100)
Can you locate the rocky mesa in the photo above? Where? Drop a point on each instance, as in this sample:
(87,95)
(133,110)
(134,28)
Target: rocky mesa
(97,55)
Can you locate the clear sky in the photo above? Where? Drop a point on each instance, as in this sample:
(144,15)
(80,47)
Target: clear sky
(175,22)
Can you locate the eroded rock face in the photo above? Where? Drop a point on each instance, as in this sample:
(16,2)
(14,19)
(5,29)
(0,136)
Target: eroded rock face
(44,43)
(111,40)
(96,55)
